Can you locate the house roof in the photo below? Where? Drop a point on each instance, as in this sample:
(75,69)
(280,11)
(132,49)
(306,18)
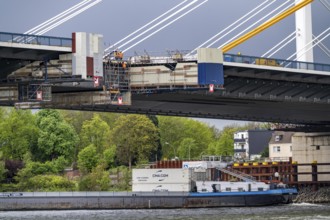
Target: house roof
(281,137)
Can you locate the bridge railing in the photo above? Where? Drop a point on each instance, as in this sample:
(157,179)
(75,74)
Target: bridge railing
(35,39)
(276,62)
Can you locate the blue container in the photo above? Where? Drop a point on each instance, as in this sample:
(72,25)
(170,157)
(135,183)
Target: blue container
(210,73)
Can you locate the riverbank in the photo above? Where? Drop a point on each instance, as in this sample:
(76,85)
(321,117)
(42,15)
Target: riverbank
(307,195)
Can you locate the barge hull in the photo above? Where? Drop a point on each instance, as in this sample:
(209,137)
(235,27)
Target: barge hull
(138,202)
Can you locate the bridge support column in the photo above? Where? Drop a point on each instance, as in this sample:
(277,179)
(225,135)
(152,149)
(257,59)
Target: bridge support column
(312,148)
(87,55)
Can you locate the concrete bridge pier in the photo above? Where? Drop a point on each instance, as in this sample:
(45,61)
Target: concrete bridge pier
(312,148)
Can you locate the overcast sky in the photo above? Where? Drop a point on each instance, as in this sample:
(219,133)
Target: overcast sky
(115,19)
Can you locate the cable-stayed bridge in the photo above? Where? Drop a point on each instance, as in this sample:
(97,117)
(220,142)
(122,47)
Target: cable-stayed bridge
(254,88)
(78,73)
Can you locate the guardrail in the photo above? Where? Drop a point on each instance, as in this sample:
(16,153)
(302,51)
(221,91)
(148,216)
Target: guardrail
(35,39)
(276,62)
(243,176)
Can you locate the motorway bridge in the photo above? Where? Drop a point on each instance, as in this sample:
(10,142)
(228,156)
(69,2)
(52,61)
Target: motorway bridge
(254,89)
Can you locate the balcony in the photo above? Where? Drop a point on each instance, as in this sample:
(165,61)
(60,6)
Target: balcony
(239,150)
(240,140)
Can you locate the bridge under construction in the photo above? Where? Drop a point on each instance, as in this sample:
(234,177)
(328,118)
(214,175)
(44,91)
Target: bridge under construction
(78,73)
(250,88)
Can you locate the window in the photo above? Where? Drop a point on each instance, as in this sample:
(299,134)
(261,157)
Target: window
(240,189)
(317,147)
(242,136)
(228,189)
(260,189)
(278,137)
(276,149)
(290,148)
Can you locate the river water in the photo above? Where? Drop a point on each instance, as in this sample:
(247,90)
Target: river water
(293,211)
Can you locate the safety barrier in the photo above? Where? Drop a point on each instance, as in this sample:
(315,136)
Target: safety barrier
(276,62)
(35,39)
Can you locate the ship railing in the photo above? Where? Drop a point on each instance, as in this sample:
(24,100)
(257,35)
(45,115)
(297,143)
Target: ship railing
(91,194)
(243,176)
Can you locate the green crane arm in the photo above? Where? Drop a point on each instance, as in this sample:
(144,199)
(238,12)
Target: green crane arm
(266,25)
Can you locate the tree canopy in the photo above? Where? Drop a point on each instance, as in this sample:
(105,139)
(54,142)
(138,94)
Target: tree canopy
(56,137)
(136,138)
(18,134)
(96,132)
(178,132)
(38,146)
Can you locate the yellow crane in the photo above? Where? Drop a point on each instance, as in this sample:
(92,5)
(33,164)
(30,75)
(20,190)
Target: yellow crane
(265,25)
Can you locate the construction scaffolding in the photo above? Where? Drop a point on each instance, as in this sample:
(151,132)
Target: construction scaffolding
(35,92)
(116,78)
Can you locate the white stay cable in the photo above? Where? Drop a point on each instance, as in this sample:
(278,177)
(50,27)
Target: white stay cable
(308,45)
(239,25)
(280,45)
(237,21)
(255,23)
(325,4)
(144,26)
(187,12)
(49,21)
(68,18)
(157,24)
(322,46)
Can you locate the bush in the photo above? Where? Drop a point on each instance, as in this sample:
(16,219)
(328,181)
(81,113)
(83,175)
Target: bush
(120,179)
(49,183)
(97,180)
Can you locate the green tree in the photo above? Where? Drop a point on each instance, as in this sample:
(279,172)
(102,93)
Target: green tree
(97,180)
(18,134)
(202,134)
(109,156)
(226,141)
(110,118)
(265,152)
(173,130)
(171,133)
(157,154)
(87,159)
(76,118)
(95,132)
(56,137)
(2,113)
(135,137)
(188,149)
(212,148)
(224,145)
(3,170)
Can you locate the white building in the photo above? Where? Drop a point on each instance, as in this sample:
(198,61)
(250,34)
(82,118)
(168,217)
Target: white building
(280,146)
(250,143)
